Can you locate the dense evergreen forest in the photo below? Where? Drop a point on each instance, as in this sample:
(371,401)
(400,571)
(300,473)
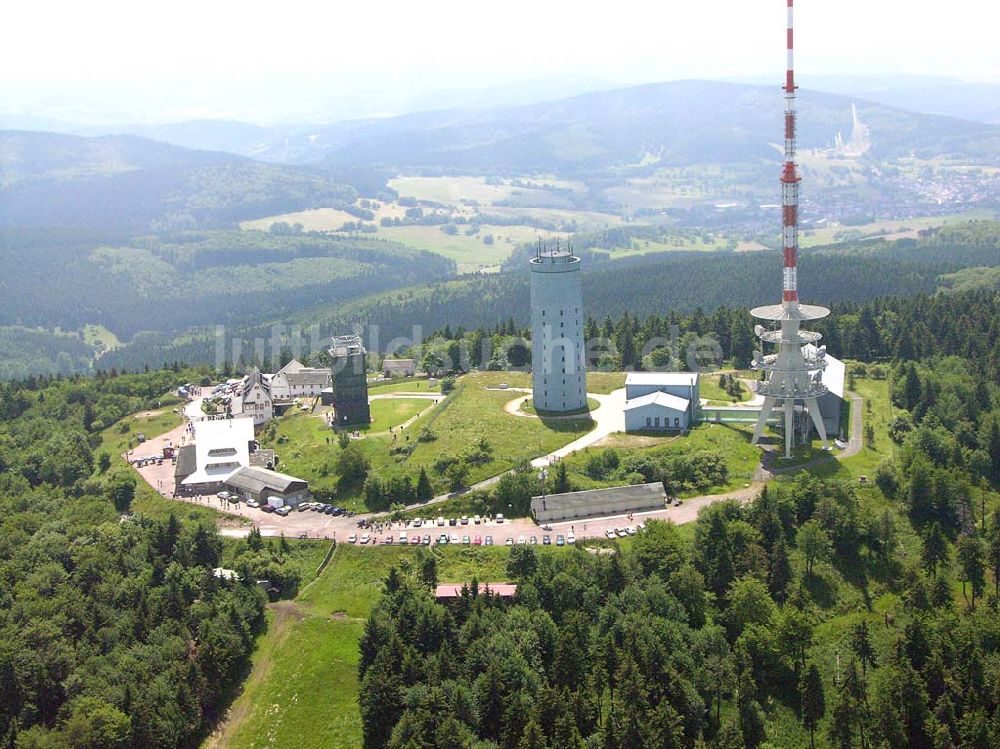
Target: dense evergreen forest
(816,614)
(114,633)
(683,287)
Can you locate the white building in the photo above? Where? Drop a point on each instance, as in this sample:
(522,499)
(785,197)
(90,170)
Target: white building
(661,401)
(295,380)
(398,367)
(558,364)
(221,448)
(252,398)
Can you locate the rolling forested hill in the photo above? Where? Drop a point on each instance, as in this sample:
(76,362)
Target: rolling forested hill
(127,184)
(667,124)
(670,123)
(653,284)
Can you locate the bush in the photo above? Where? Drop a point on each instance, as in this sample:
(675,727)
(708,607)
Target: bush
(601,465)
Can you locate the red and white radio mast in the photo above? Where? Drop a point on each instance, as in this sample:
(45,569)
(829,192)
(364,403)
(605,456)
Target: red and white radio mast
(794,374)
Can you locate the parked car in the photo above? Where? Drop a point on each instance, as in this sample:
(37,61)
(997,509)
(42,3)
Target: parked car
(533,540)
(509,541)
(353,538)
(452,521)
(546,540)
(522,539)
(465,519)
(560,540)
(570,538)
(440,520)
(253,503)
(427,539)
(499,517)
(466,540)
(477,520)
(387,539)
(454,538)
(488,541)
(303,506)
(283,510)
(609,532)
(303,536)
(415,539)
(630,530)
(366,538)
(266,508)
(225,495)
(621,532)
(443,538)
(403,540)
(417,522)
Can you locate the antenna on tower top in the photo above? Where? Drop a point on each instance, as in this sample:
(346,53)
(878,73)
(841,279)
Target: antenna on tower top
(790,183)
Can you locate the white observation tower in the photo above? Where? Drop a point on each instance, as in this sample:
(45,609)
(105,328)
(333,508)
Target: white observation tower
(558,367)
(792,376)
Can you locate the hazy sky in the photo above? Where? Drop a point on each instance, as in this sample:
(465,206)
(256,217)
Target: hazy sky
(161,60)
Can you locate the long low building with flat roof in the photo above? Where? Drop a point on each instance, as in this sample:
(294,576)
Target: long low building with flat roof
(260,483)
(594,503)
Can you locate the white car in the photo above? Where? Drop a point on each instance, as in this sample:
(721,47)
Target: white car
(570,538)
(477,520)
(499,517)
(253,503)
(440,521)
(610,532)
(621,532)
(353,538)
(365,538)
(630,530)
(522,539)
(454,538)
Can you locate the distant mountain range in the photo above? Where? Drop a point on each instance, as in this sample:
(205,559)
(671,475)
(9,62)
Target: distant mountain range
(677,123)
(123,183)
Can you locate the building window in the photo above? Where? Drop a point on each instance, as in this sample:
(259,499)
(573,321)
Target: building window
(649,422)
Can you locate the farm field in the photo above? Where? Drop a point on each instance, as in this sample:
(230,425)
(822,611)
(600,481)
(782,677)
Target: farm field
(470,252)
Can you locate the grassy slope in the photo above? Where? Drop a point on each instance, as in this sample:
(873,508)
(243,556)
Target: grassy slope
(731,441)
(459,420)
(303,690)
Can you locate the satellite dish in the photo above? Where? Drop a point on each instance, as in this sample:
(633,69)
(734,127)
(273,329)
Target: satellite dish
(758,330)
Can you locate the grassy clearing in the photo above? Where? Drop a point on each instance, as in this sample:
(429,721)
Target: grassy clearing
(391,412)
(309,449)
(876,411)
(449,190)
(605,382)
(470,252)
(730,441)
(408,385)
(711,390)
(302,692)
(122,435)
(473,412)
(317,219)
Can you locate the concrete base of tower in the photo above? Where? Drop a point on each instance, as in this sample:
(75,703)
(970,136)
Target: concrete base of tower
(788,420)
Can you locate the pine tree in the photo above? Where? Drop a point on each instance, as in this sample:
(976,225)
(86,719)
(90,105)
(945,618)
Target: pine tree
(781,571)
(812,701)
(425,491)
